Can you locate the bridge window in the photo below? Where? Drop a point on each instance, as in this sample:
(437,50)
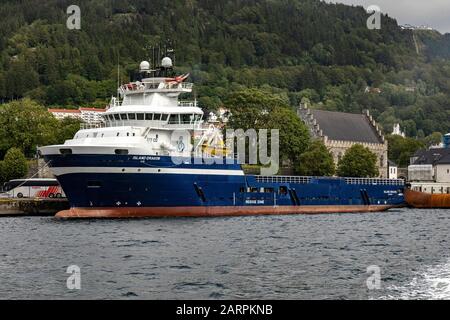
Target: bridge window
(157,116)
(149,116)
(121,151)
(116,116)
(174,119)
(198,117)
(164,117)
(185,118)
(123,116)
(132,116)
(140,116)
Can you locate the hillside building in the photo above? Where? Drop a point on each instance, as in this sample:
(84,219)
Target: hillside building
(340,131)
(87,115)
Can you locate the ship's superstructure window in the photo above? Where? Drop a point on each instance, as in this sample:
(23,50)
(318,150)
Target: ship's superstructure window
(131,116)
(65,151)
(94,184)
(174,119)
(157,116)
(164,117)
(140,116)
(123,116)
(117,116)
(186,118)
(121,151)
(149,116)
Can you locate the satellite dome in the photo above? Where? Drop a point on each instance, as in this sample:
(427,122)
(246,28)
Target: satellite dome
(144,66)
(166,62)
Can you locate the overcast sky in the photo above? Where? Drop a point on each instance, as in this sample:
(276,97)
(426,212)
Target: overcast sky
(435,13)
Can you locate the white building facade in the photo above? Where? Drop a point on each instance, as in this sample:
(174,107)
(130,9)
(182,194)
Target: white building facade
(430,171)
(87,115)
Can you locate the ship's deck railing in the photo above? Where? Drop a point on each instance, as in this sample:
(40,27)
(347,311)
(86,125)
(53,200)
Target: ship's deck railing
(282,179)
(185,103)
(155,87)
(302,179)
(375,181)
(96,125)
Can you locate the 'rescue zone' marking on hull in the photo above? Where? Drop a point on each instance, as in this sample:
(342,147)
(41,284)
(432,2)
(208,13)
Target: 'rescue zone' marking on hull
(214,211)
(59,171)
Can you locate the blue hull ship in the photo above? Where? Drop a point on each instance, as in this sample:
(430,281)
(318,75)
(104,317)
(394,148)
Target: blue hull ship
(128,187)
(124,166)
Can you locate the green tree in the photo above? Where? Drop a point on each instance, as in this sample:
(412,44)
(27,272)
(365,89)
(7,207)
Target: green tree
(25,124)
(401,149)
(358,161)
(315,161)
(67,129)
(257,109)
(433,139)
(14,166)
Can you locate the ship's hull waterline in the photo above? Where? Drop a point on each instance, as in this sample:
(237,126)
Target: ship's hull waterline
(131,187)
(218,211)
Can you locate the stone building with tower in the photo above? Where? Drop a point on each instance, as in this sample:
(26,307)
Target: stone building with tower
(339,131)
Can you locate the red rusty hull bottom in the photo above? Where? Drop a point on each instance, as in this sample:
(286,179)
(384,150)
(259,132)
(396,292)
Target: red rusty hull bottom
(212,211)
(426,200)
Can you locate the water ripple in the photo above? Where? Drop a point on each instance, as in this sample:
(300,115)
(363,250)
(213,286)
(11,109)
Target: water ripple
(262,257)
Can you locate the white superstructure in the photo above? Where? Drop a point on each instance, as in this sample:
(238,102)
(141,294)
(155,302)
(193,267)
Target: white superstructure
(146,118)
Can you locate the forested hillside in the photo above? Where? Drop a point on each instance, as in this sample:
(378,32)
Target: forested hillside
(299,49)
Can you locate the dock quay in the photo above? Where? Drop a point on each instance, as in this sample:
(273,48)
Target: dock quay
(32,207)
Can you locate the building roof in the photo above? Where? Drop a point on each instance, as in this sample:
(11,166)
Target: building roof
(432,156)
(92,109)
(346,126)
(64,110)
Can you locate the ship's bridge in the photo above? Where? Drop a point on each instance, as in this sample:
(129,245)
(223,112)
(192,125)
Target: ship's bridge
(189,117)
